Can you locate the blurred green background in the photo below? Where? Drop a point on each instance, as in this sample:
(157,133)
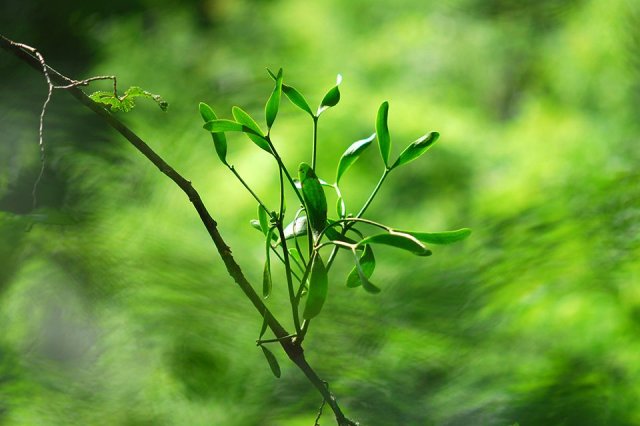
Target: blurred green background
(117,310)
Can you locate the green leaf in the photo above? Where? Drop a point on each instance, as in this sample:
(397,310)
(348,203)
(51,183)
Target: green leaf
(382,130)
(352,154)
(273,104)
(341,208)
(446,237)
(222,125)
(255,224)
(295,254)
(219,139)
(296,228)
(245,119)
(366,284)
(314,198)
(334,235)
(398,239)
(367,265)
(273,362)
(294,96)
(263,329)
(318,288)
(331,98)
(416,149)
(267,282)
(263,219)
(126,102)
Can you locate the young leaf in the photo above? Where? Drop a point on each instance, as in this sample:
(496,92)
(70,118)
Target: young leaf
(446,237)
(222,125)
(263,329)
(314,198)
(352,154)
(273,362)
(398,239)
(318,288)
(296,228)
(256,224)
(416,149)
(294,96)
(267,282)
(382,130)
(331,98)
(341,208)
(219,139)
(367,264)
(263,218)
(273,104)
(366,284)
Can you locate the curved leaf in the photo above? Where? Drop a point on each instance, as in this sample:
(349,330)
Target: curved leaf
(296,228)
(399,240)
(341,208)
(294,96)
(273,104)
(314,198)
(219,139)
(366,284)
(352,154)
(222,125)
(331,98)
(256,224)
(446,237)
(273,362)
(263,219)
(382,130)
(367,265)
(318,288)
(416,149)
(267,282)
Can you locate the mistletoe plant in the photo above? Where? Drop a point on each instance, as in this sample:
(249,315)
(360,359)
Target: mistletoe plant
(306,241)
(300,241)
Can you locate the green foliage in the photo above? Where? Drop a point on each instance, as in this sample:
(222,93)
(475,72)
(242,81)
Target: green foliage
(311,225)
(126,102)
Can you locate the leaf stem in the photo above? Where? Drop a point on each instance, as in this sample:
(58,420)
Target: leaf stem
(315,141)
(235,172)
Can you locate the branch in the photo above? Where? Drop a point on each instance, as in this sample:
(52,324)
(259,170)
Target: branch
(290,345)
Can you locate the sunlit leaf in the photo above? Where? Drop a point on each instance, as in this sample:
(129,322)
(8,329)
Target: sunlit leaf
(416,149)
(126,102)
(341,208)
(364,279)
(314,198)
(255,223)
(294,96)
(446,237)
(318,288)
(273,362)
(263,218)
(398,240)
(273,104)
(382,130)
(219,139)
(222,125)
(331,98)
(245,119)
(367,264)
(352,154)
(296,228)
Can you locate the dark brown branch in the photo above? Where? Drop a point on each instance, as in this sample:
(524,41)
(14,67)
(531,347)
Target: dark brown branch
(292,348)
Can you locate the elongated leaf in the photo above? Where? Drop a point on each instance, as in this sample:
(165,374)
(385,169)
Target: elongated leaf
(273,104)
(256,224)
(219,139)
(318,288)
(294,96)
(296,228)
(314,198)
(364,279)
(416,149)
(331,98)
(399,240)
(222,125)
(273,362)
(334,235)
(263,218)
(263,329)
(382,130)
(446,237)
(245,119)
(341,208)
(295,254)
(367,264)
(267,282)
(352,154)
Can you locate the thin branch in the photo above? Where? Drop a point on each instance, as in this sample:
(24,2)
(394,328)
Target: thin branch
(293,349)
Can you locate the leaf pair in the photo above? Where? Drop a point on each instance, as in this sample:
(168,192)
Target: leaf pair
(330,99)
(410,153)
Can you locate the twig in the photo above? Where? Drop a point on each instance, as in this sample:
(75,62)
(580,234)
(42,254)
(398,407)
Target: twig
(293,349)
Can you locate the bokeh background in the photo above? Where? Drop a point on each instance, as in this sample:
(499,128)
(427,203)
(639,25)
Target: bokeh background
(115,308)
